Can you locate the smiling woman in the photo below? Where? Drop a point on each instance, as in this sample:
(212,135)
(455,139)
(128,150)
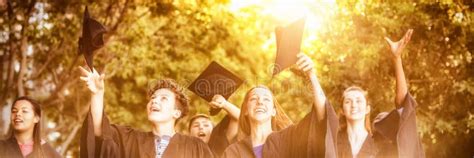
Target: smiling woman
(25,135)
(261,107)
(268,132)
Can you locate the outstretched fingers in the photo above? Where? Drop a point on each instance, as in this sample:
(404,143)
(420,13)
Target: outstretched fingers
(389,42)
(84,71)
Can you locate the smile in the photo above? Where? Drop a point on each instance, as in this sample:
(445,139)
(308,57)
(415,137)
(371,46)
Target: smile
(155,109)
(354,111)
(16,121)
(260,110)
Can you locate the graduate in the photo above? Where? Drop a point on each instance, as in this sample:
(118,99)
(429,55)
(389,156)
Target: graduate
(200,126)
(224,133)
(393,134)
(268,131)
(167,104)
(216,84)
(25,132)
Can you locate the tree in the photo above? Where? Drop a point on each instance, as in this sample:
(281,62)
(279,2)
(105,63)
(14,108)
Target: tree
(149,40)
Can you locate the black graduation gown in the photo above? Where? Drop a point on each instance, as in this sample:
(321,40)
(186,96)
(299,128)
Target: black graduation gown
(218,141)
(308,138)
(9,148)
(368,150)
(125,142)
(394,135)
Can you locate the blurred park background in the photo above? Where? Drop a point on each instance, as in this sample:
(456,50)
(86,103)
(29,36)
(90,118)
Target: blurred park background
(149,39)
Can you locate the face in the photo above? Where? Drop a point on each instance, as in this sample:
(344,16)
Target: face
(260,107)
(162,107)
(201,127)
(23,116)
(355,105)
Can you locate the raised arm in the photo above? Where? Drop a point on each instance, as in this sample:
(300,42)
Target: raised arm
(306,65)
(95,83)
(233,111)
(396,51)
(220,102)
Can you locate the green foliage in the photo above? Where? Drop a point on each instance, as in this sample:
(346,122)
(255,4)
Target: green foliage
(150,40)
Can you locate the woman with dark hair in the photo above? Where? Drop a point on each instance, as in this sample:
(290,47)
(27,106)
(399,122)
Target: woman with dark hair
(25,132)
(392,134)
(269,133)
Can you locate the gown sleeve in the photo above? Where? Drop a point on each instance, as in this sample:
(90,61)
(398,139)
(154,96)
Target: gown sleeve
(115,141)
(307,138)
(218,141)
(396,132)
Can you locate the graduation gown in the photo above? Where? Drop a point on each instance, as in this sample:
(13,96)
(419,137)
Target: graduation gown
(394,135)
(367,150)
(125,142)
(308,138)
(218,141)
(9,148)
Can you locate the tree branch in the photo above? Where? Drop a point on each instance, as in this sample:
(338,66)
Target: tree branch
(70,137)
(21,73)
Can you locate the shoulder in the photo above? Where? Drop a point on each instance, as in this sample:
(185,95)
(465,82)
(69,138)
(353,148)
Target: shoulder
(3,145)
(128,130)
(274,136)
(188,139)
(239,145)
(6,143)
(3,141)
(234,148)
(235,145)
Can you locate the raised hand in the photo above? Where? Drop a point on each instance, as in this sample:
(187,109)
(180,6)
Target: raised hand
(305,64)
(218,101)
(397,47)
(94,81)
(401,83)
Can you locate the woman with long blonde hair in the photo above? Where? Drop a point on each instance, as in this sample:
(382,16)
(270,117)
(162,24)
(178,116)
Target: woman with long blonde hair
(267,130)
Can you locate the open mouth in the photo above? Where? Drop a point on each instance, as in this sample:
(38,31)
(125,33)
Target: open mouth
(155,109)
(260,110)
(17,121)
(354,111)
(201,134)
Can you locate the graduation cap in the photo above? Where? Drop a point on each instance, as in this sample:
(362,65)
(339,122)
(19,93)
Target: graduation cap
(91,40)
(214,80)
(288,40)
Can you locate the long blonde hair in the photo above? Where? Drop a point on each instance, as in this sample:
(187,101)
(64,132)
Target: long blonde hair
(279,121)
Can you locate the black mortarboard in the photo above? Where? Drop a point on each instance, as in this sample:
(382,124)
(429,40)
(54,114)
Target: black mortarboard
(214,80)
(91,39)
(288,41)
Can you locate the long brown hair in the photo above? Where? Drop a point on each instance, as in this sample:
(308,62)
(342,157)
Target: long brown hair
(37,150)
(342,120)
(279,121)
